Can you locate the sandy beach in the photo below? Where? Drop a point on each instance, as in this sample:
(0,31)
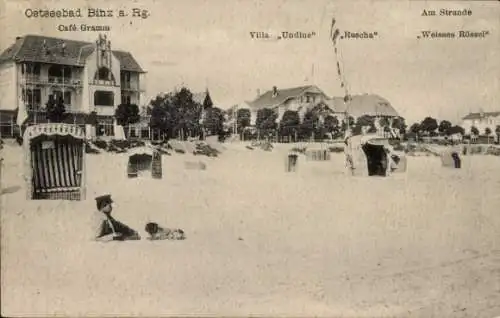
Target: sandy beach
(260,241)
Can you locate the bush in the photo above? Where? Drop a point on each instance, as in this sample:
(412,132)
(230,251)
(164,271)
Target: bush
(101,144)
(204,149)
(123,144)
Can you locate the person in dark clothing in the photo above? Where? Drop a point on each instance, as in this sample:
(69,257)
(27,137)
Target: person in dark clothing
(456,160)
(107,228)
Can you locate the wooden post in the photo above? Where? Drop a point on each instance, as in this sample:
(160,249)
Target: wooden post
(1,163)
(12,127)
(83,185)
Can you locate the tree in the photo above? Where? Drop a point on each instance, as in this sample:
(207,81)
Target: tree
(266,119)
(243,119)
(207,103)
(188,113)
(214,121)
(351,122)
(384,122)
(415,130)
(176,114)
(56,111)
(162,114)
(364,121)
(399,123)
(429,125)
(127,114)
(456,130)
(310,124)
(444,127)
(331,124)
(487,132)
(474,131)
(91,119)
(289,123)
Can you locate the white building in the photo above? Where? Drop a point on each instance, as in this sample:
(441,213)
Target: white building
(481,121)
(88,77)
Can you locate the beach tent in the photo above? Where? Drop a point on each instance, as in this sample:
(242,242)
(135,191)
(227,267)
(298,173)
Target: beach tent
(54,162)
(451,159)
(371,155)
(144,159)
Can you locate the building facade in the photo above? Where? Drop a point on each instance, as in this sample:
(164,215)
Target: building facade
(87,77)
(481,121)
(300,99)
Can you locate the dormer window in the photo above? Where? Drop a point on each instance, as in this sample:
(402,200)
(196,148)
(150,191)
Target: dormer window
(103,74)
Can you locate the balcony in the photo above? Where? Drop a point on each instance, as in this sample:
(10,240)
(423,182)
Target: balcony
(131,87)
(103,83)
(51,80)
(39,108)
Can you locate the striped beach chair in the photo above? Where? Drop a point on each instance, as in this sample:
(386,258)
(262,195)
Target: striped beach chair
(55,162)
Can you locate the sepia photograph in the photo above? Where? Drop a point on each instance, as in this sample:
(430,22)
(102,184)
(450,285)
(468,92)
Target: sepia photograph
(220,158)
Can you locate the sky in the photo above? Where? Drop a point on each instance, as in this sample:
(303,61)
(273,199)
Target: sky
(207,44)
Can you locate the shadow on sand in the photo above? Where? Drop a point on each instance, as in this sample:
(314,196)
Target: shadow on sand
(10,190)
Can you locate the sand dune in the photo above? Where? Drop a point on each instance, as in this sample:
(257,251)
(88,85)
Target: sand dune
(316,242)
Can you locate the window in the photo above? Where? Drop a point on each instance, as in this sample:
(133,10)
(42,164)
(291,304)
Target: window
(104,98)
(126,99)
(59,71)
(31,68)
(308,99)
(32,98)
(125,77)
(59,94)
(105,127)
(103,74)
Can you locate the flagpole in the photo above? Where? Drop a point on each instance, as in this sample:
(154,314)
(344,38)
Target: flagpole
(334,33)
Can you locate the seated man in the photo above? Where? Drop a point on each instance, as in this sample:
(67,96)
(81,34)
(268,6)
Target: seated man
(106,228)
(158,233)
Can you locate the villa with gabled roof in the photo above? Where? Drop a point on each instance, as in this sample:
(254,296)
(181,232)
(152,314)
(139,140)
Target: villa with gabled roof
(86,76)
(299,99)
(481,120)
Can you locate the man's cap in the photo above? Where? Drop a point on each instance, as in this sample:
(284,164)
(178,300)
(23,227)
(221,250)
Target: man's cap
(104,199)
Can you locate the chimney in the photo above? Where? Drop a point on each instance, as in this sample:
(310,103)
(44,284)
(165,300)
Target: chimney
(275,91)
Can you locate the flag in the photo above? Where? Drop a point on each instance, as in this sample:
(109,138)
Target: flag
(332,28)
(22,114)
(335,35)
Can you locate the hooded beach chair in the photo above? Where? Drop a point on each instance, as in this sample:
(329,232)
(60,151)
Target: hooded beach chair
(54,162)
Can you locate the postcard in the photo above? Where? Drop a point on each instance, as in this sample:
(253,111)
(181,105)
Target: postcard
(282,158)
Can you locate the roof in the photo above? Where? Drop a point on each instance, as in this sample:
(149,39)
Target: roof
(267,100)
(481,115)
(30,49)
(366,104)
(143,150)
(52,129)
